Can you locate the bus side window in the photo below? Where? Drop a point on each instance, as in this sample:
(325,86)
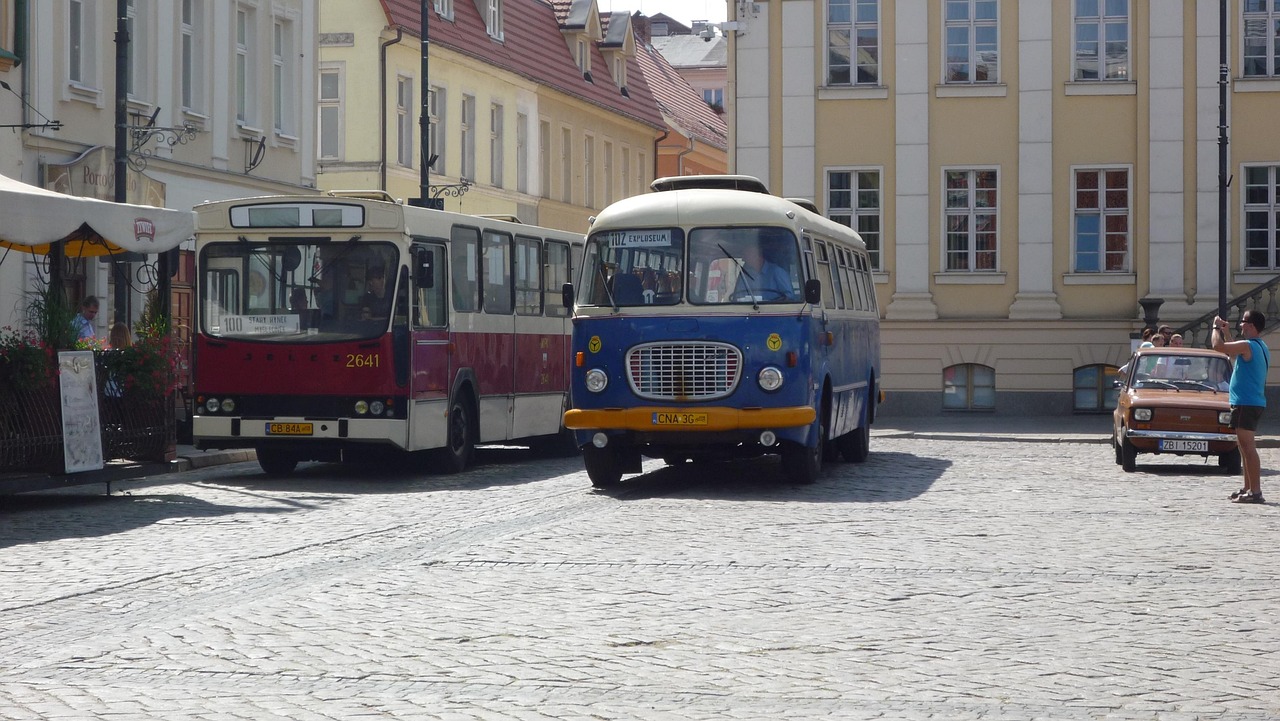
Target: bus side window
(429,305)
(528,276)
(825,275)
(465,268)
(555,273)
(496,262)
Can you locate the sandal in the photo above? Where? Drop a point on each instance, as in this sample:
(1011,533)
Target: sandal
(1249,498)
(1237,494)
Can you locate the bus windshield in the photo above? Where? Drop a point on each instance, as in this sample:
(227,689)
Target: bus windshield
(646,266)
(298,291)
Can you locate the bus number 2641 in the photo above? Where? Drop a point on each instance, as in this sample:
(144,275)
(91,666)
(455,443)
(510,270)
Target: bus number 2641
(361,360)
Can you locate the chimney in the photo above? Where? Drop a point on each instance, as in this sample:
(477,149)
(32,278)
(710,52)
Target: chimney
(641,25)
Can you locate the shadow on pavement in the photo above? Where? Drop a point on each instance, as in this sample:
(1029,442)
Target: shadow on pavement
(883,478)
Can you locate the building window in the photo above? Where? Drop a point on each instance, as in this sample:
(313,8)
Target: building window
(544,158)
(972,41)
(1261,39)
(626,172)
(854,198)
(968,387)
(620,71)
(193,30)
(444,8)
(566,165)
(81,43)
(493,18)
(1262,217)
(589,171)
(1101,220)
(1102,40)
(435,129)
(642,161)
(468,126)
(330,114)
(971,220)
(608,173)
(1093,388)
(496,142)
(522,152)
(853,42)
(245,66)
(282,76)
(404,121)
(136,63)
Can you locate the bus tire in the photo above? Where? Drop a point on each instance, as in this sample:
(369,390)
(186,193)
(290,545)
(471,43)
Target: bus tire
(856,444)
(602,466)
(276,464)
(802,464)
(460,451)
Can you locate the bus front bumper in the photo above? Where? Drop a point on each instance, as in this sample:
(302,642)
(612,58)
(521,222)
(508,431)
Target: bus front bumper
(683,420)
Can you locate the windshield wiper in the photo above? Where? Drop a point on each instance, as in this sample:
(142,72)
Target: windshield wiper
(604,282)
(745,275)
(350,246)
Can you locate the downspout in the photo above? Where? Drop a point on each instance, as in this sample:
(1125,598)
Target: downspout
(680,157)
(382,108)
(657,150)
(20,34)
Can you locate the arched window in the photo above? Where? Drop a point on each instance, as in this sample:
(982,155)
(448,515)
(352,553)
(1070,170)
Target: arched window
(968,387)
(1093,388)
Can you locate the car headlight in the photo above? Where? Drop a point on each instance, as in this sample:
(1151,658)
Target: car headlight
(1224,418)
(596,380)
(1141,414)
(211,405)
(770,378)
(376,408)
(228,405)
(362,407)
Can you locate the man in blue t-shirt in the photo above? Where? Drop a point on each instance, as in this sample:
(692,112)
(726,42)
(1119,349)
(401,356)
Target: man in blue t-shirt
(1248,397)
(762,279)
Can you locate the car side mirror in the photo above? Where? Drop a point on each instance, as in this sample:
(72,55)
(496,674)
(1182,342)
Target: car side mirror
(813,291)
(566,295)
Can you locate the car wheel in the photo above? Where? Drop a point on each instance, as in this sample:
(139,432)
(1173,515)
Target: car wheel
(602,466)
(1128,456)
(1230,461)
(1116,447)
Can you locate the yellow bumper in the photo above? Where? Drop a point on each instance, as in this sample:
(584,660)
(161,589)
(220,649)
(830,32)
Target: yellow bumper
(700,419)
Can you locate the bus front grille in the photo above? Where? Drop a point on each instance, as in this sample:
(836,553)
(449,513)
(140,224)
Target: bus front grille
(683,371)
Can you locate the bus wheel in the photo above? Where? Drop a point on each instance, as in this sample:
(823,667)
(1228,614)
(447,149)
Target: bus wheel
(856,444)
(602,466)
(802,464)
(462,443)
(276,463)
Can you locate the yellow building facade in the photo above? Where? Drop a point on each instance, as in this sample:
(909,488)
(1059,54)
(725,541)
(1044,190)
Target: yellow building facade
(1028,175)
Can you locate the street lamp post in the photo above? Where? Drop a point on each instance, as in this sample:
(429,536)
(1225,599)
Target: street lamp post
(1222,158)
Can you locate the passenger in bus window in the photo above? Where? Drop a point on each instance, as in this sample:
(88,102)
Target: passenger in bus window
(761,277)
(375,303)
(299,307)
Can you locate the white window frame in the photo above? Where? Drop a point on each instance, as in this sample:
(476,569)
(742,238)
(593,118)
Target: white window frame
(1267,19)
(246,65)
(589,170)
(404,120)
(522,152)
(1100,22)
(283,71)
(851,214)
(972,27)
(192,61)
(437,130)
(497,141)
(444,8)
(852,26)
(971,211)
(138,64)
(467,128)
(1270,207)
(337,105)
(544,158)
(620,71)
(626,172)
(566,165)
(1102,212)
(83,69)
(493,19)
(608,172)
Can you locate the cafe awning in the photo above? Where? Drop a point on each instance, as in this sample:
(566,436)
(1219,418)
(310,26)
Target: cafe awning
(32,218)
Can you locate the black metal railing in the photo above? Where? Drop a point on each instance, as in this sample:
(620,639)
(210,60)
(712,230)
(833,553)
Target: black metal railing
(1198,333)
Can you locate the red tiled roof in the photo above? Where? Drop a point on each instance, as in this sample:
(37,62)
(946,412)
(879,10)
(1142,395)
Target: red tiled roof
(679,101)
(532,47)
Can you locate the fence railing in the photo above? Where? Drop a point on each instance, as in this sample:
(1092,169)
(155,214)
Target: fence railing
(1198,333)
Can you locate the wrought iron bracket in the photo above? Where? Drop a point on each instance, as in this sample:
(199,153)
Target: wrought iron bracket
(140,134)
(451,190)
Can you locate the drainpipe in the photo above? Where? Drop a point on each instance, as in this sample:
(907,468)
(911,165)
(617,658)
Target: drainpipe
(680,157)
(657,150)
(20,34)
(382,107)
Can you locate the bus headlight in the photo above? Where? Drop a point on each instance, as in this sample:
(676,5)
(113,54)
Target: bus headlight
(362,407)
(770,378)
(376,408)
(228,405)
(211,405)
(596,380)
(1141,414)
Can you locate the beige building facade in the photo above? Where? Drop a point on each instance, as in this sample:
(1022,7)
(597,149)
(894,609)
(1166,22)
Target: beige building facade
(1026,174)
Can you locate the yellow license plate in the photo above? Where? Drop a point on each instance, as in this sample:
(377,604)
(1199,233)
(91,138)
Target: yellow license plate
(679,419)
(289,429)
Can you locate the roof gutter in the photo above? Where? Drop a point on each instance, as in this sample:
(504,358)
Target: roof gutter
(382,107)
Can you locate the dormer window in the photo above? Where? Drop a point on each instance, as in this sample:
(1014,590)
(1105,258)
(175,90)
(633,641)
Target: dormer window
(620,72)
(493,18)
(584,57)
(444,8)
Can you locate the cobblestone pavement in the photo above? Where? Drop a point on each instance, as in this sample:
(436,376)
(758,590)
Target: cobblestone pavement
(941,579)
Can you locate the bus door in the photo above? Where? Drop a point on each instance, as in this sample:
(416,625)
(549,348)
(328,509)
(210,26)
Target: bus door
(429,333)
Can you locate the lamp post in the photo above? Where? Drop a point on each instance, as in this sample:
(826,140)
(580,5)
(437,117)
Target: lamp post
(424,198)
(120,299)
(1222,158)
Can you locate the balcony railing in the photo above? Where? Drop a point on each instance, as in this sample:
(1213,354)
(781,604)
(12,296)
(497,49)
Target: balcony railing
(1198,333)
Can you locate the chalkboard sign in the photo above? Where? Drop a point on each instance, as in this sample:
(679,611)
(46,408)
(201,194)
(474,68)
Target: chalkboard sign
(81,429)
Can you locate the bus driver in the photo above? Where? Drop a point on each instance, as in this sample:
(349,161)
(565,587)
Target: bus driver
(761,278)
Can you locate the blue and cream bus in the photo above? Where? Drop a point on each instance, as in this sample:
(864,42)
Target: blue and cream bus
(687,348)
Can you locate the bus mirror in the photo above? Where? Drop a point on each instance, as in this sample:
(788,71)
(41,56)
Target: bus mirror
(425,276)
(813,291)
(566,295)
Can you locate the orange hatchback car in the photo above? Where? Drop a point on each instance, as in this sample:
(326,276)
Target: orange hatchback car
(1174,400)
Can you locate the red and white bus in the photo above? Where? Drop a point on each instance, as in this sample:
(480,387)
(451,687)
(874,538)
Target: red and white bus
(327,325)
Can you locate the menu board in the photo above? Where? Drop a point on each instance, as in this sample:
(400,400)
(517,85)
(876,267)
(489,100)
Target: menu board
(81,429)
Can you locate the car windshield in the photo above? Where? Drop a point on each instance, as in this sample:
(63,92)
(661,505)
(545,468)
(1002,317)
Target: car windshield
(308,291)
(1184,372)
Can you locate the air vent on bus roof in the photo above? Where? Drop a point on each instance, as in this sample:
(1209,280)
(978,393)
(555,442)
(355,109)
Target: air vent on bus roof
(718,182)
(805,203)
(362,195)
